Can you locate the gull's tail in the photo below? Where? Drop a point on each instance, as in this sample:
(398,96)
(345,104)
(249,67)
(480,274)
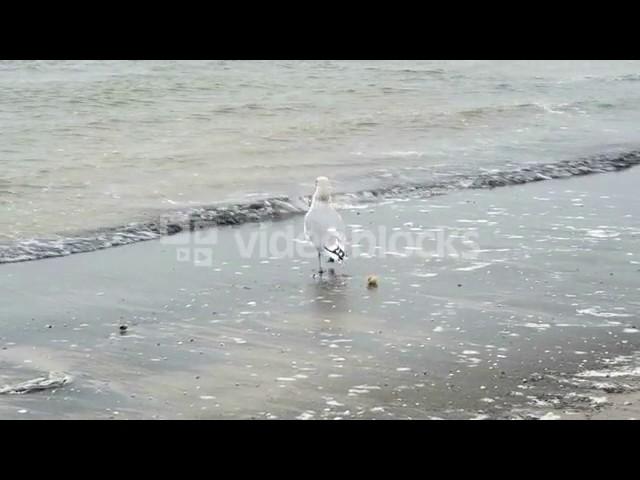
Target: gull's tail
(334,246)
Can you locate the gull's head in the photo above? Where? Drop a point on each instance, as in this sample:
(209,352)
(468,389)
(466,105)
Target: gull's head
(323,189)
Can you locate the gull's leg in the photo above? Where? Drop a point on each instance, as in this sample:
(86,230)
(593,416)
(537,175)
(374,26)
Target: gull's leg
(320,271)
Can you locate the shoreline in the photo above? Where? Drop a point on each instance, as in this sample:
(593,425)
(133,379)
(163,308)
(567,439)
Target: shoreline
(283,208)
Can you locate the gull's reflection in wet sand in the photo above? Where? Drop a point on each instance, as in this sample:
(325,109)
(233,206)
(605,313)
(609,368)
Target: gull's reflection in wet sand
(328,296)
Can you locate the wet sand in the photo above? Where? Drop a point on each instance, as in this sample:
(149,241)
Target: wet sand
(623,406)
(538,320)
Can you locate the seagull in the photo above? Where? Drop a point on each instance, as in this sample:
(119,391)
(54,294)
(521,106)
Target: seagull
(323,225)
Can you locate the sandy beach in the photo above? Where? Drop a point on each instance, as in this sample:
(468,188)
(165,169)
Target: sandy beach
(525,305)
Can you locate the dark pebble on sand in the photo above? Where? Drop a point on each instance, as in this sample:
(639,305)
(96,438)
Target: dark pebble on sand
(459,284)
